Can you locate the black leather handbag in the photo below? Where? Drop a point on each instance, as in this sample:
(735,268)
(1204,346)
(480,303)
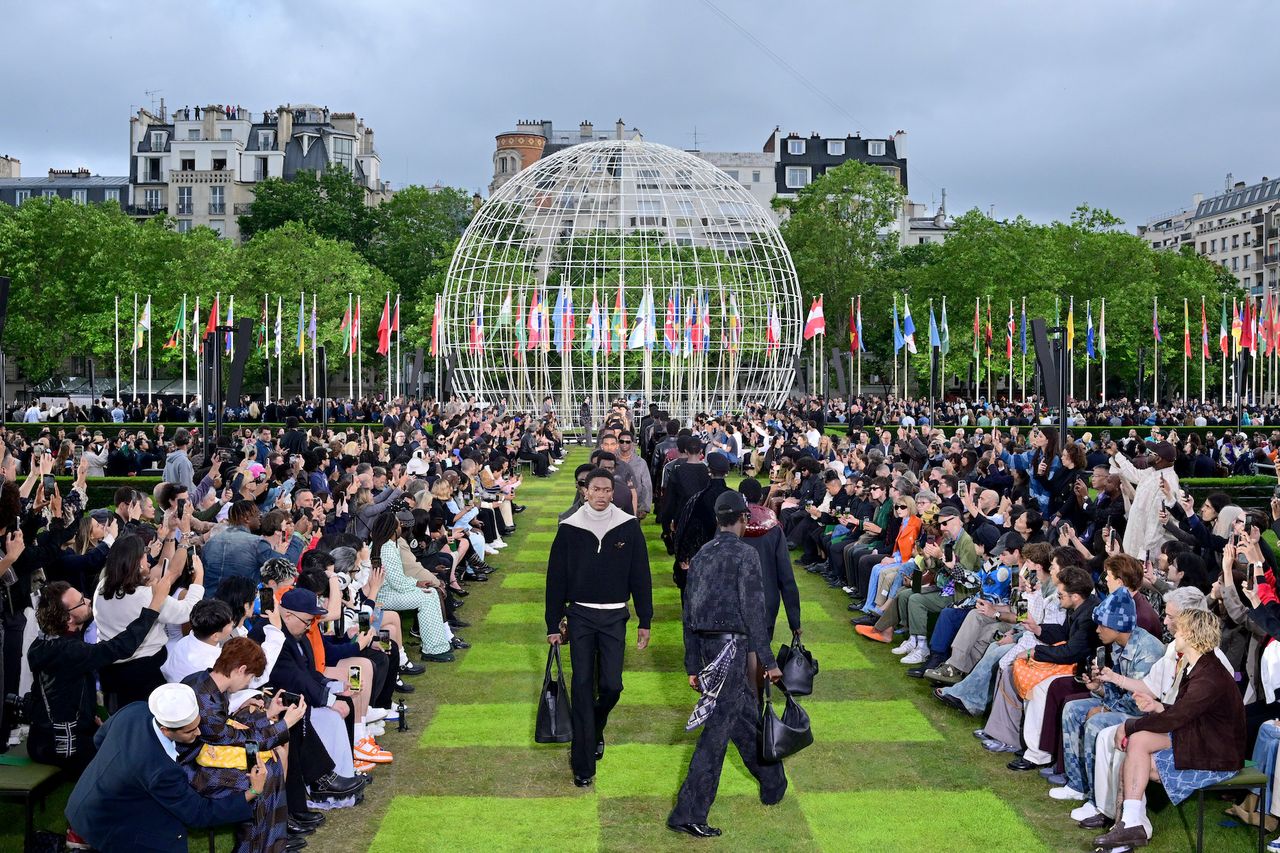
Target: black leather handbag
(785,735)
(554,722)
(798,666)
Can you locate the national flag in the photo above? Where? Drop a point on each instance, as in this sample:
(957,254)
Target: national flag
(618,324)
(179,333)
(1186,329)
(1071,326)
(862,341)
(1223,328)
(144,325)
(534,320)
(1089,350)
(355,328)
(213,318)
(935,339)
(231,321)
(898,341)
(311,332)
(279,314)
(302,324)
(1248,340)
(1102,330)
(1237,324)
(690,324)
(989,336)
(345,328)
(944,344)
(1008,337)
(593,325)
(815,324)
(639,337)
(504,311)
(435,328)
(1155,321)
(773,331)
(195,324)
(264,328)
(704,319)
(670,337)
(563,319)
(1023,331)
(908,327)
(853,328)
(477,327)
(1204,331)
(1264,323)
(735,322)
(544,322)
(384,327)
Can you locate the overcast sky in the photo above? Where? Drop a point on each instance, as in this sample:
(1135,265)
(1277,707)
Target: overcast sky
(1031,108)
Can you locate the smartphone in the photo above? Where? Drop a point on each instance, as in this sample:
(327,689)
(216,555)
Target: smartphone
(384,640)
(289,699)
(182,507)
(250,754)
(49,485)
(353,678)
(949,551)
(79,452)
(1099,659)
(364,622)
(266,600)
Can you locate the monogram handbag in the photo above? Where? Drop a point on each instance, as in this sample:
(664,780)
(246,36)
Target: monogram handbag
(785,735)
(798,666)
(554,723)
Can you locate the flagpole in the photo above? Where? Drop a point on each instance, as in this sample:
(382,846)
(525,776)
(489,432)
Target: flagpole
(116,336)
(1186,336)
(860,349)
(1223,348)
(1155,355)
(1010,333)
(149,374)
(302,342)
(990,378)
(266,345)
(399,360)
(359,354)
(942,362)
(134,383)
(351,370)
(895,354)
(183,344)
(1204,332)
(1102,337)
(1253,350)
(1088,311)
(1024,349)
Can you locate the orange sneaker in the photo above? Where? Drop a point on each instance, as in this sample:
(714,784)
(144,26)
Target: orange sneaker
(368,750)
(364,766)
(872,634)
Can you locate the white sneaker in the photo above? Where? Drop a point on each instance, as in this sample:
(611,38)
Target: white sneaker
(918,656)
(377,729)
(1085,812)
(373,715)
(498,543)
(908,645)
(1066,792)
(489,550)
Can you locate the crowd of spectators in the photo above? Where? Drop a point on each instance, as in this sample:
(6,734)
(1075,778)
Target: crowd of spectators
(229,645)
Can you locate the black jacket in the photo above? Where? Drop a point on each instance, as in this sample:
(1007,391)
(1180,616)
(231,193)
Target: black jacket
(295,668)
(608,569)
(776,576)
(1079,633)
(725,594)
(685,481)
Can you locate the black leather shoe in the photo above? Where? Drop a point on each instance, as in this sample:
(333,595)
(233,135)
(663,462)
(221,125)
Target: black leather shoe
(1098,821)
(459,591)
(599,749)
(517,508)
(456,623)
(454,603)
(480,577)
(411,668)
(697,830)
(443,657)
(916,672)
(298,829)
(869,619)
(1022,764)
(334,785)
(459,643)
(507,531)
(583,781)
(310,819)
(401,687)
(295,842)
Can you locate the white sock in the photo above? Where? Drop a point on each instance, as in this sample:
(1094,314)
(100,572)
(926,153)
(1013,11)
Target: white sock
(360,731)
(918,640)
(1135,813)
(404,658)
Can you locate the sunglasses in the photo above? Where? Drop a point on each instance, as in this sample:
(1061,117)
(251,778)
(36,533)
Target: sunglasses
(901,506)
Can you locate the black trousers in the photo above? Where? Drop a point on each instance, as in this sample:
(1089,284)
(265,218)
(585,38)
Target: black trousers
(539,460)
(384,675)
(11,629)
(596,640)
(131,681)
(309,761)
(736,718)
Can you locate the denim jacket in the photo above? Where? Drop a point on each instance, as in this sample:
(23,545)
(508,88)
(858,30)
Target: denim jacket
(1133,660)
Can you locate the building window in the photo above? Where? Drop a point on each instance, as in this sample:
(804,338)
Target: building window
(260,169)
(875,148)
(1213,245)
(755,176)
(732,173)
(266,140)
(1235,241)
(157,140)
(183,226)
(835,147)
(343,150)
(1235,264)
(797,177)
(50,193)
(1246,262)
(225,134)
(217,201)
(502,165)
(184,201)
(795,146)
(188,164)
(153,169)
(111,195)
(193,134)
(20,196)
(151,198)
(218,226)
(80,196)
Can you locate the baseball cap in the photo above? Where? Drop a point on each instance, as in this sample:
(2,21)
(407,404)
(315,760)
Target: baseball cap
(302,601)
(731,504)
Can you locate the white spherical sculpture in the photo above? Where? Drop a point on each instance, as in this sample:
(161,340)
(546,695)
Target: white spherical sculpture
(696,302)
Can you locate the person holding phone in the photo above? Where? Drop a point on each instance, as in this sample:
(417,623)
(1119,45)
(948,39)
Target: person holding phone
(228,719)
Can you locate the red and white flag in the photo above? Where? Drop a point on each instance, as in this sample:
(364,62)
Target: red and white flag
(815,324)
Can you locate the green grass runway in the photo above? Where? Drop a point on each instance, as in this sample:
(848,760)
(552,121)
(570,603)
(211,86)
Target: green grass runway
(891,769)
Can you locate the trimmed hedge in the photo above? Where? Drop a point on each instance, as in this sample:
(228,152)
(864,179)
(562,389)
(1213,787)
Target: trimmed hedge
(102,490)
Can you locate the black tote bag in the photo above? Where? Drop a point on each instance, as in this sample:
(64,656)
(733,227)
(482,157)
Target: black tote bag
(798,666)
(554,723)
(785,735)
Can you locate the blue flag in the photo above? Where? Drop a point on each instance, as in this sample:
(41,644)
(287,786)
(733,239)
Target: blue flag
(1088,342)
(934,340)
(897,330)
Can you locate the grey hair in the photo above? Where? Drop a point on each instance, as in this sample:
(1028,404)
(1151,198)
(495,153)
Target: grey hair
(1187,598)
(344,559)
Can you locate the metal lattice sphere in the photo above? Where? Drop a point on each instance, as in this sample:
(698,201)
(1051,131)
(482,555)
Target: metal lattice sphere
(622,268)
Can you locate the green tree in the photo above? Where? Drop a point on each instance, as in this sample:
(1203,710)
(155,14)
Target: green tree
(416,231)
(332,205)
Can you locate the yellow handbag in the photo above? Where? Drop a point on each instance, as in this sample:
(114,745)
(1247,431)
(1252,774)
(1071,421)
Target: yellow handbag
(222,757)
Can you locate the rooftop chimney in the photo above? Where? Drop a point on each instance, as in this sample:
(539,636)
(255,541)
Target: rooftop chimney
(619,129)
(586,130)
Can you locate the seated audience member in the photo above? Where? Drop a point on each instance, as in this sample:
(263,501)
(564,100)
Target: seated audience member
(1196,741)
(134,795)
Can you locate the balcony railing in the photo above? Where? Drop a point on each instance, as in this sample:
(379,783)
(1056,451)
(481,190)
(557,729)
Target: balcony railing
(201,176)
(1270,259)
(184,208)
(242,209)
(217,208)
